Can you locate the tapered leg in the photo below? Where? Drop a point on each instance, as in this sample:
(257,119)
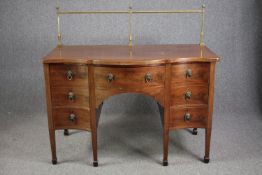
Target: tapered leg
(92,102)
(207,145)
(53,145)
(194,132)
(165,146)
(66,132)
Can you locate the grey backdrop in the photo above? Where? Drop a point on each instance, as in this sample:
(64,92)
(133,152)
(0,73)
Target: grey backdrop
(28,33)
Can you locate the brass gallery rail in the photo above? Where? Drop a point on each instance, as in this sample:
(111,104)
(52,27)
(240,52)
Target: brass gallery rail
(131,12)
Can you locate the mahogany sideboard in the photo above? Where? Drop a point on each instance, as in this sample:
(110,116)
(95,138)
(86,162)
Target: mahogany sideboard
(179,77)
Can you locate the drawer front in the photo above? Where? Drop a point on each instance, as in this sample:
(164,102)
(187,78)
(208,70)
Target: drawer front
(190,72)
(70,96)
(188,117)
(68,75)
(71,118)
(129,78)
(189,95)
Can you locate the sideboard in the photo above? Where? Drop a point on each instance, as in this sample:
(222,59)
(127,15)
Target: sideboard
(180,78)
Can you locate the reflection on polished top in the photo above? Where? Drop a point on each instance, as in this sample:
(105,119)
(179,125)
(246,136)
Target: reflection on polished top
(126,55)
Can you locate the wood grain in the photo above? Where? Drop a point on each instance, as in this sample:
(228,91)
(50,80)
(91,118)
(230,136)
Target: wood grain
(60,96)
(199,117)
(200,73)
(199,95)
(129,78)
(61,120)
(136,55)
(58,75)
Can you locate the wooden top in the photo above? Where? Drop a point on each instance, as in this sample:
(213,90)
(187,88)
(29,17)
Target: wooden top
(126,55)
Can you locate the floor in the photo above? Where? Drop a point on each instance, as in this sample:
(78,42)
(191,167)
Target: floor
(130,142)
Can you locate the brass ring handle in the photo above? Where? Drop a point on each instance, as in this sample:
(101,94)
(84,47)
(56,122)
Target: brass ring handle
(69,75)
(110,77)
(188,95)
(187,117)
(72,117)
(71,96)
(189,73)
(148,77)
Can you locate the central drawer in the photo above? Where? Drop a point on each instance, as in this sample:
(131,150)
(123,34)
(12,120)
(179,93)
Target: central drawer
(129,77)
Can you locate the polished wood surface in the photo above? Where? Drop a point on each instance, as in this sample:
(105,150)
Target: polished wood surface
(179,77)
(128,78)
(200,73)
(61,118)
(126,55)
(199,95)
(61,96)
(59,77)
(198,117)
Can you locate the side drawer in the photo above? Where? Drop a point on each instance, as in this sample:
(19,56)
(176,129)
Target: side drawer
(190,72)
(70,96)
(71,118)
(68,75)
(129,77)
(188,117)
(189,95)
